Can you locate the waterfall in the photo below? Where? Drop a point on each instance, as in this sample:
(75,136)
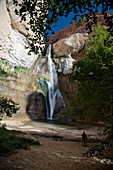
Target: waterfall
(49,86)
(52,83)
(51,67)
(52,99)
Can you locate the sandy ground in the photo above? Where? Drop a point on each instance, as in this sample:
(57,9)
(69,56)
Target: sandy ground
(53,154)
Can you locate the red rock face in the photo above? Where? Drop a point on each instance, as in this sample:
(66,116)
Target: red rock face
(60,48)
(71,45)
(66,87)
(74,28)
(58,39)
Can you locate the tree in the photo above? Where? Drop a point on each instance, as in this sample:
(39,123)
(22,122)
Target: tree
(8,107)
(94,74)
(40,11)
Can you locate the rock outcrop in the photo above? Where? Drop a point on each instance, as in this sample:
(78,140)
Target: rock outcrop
(22,89)
(18,89)
(65,51)
(72,39)
(76,27)
(13,49)
(12,40)
(68,46)
(21,26)
(36,108)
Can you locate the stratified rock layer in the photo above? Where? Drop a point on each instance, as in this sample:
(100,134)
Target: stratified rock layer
(22,90)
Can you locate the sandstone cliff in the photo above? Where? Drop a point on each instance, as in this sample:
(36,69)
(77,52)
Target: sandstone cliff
(12,39)
(68,46)
(12,49)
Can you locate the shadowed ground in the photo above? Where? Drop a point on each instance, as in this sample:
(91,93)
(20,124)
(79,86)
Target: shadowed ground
(60,149)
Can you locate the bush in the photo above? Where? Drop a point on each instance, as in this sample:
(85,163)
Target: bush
(9,142)
(8,107)
(98,149)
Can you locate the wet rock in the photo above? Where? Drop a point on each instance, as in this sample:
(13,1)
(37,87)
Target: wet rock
(36,107)
(64,64)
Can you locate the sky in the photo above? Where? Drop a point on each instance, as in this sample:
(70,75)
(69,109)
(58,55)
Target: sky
(64,22)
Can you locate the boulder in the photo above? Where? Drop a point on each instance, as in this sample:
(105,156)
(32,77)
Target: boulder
(65,51)
(70,45)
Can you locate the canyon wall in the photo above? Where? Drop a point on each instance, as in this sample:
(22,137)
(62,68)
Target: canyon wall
(14,55)
(68,47)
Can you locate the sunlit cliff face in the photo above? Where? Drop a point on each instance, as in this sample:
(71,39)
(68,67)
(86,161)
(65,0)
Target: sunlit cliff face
(13,41)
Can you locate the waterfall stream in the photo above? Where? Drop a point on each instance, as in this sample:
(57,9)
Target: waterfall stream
(52,83)
(49,86)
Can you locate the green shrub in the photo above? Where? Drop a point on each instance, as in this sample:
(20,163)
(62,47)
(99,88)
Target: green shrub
(8,107)
(10,141)
(6,69)
(98,149)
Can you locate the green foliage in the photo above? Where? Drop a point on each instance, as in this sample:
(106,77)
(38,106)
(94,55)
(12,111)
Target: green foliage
(3,73)
(6,69)
(10,141)
(108,130)
(98,150)
(70,111)
(50,11)
(94,74)
(7,107)
(42,85)
(19,69)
